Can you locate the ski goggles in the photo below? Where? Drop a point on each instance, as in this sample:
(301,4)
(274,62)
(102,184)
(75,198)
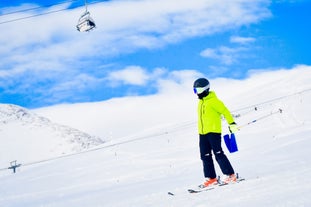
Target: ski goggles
(199,90)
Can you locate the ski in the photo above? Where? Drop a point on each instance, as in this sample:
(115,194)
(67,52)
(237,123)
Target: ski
(200,190)
(194,190)
(237,181)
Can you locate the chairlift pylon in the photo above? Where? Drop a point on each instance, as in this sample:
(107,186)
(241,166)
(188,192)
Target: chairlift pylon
(85,23)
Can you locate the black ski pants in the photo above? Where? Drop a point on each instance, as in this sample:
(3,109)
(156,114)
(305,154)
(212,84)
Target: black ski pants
(212,142)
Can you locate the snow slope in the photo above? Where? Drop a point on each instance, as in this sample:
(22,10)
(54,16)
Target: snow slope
(26,137)
(145,159)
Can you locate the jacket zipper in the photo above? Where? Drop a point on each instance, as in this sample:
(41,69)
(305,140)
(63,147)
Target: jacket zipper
(201,117)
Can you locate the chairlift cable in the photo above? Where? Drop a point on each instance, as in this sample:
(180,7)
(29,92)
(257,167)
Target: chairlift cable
(35,8)
(272,100)
(85,5)
(41,14)
(35,15)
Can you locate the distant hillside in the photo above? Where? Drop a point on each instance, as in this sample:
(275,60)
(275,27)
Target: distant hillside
(22,132)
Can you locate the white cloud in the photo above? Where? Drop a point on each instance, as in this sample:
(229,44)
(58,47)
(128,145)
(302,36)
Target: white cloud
(145,24)
(242,40)
(48,47)
(225,55)
(133,75)
(228,55)
(176,82)
(162,80)
(209,53)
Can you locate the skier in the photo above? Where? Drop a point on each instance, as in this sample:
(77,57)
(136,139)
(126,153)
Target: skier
(210,110)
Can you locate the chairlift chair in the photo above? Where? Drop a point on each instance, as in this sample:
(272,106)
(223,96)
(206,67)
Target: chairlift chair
(85,23)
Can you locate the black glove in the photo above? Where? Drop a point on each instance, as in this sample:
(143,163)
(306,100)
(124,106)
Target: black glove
(233,128)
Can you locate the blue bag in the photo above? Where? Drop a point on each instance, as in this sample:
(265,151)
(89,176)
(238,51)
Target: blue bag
(231,143)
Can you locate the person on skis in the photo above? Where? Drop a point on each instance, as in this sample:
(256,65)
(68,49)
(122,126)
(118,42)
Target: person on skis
(210,110)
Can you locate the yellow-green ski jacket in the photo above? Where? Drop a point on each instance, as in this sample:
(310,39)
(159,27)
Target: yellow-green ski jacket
(210,110)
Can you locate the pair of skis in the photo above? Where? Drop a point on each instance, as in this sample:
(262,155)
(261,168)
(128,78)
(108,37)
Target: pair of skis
(220,183)
(202,189)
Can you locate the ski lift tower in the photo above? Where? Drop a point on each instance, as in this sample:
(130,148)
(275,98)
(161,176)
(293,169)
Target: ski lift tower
(85,23)
(14,165)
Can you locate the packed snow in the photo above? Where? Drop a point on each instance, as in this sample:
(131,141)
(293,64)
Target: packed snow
(152,149)
(25,136)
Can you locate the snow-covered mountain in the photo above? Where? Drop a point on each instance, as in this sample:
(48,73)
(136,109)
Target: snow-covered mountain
(153,150)
(25,136)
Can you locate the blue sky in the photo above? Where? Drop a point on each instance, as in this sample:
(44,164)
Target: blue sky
(142,47)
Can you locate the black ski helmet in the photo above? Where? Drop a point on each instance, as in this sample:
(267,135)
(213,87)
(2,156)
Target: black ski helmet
(201,83)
